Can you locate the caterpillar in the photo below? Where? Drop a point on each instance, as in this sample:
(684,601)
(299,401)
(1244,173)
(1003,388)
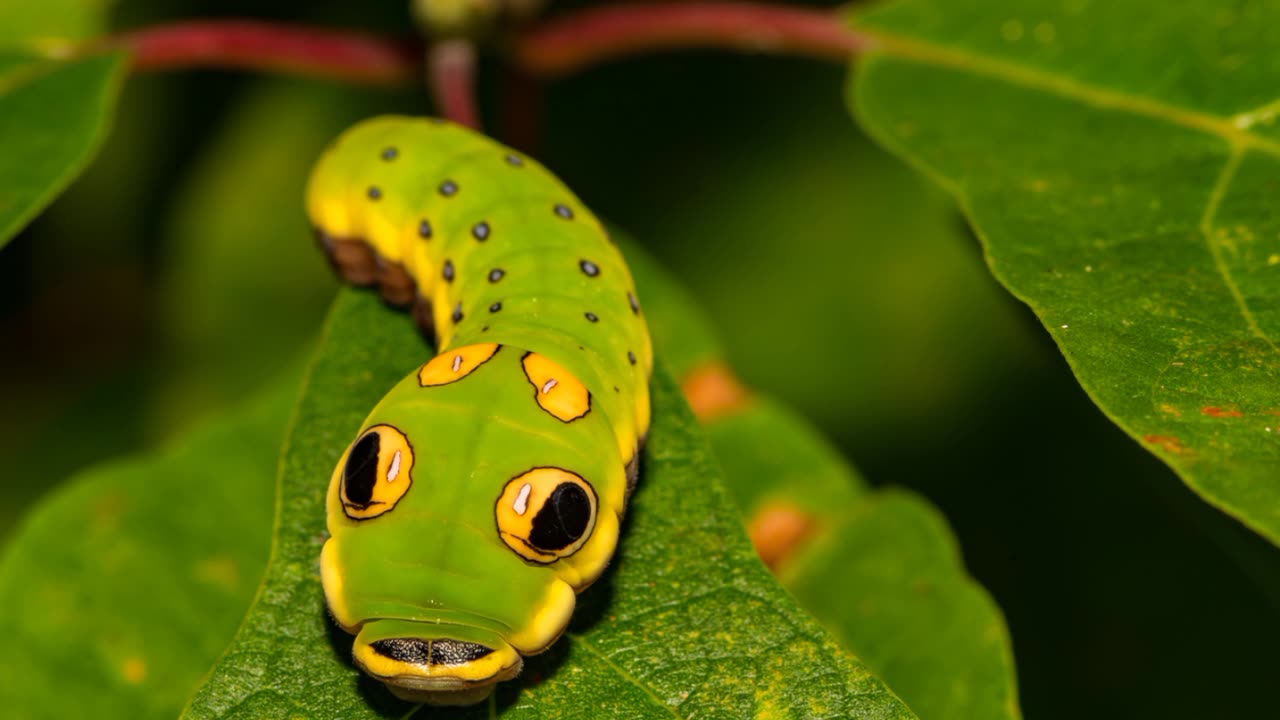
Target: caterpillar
(486,489)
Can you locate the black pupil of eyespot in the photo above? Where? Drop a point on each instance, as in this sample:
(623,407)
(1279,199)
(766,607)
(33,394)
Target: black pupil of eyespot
(361,472)
(563,518)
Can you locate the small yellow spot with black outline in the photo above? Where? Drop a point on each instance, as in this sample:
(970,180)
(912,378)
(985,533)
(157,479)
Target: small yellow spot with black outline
(557,391)
(453,365)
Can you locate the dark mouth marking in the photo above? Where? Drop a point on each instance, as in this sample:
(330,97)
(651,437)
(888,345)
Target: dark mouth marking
(430,652)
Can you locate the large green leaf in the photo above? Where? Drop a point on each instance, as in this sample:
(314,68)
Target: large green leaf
(686,623)
(123,587)
(880,569)
(53,117)
(1120,161)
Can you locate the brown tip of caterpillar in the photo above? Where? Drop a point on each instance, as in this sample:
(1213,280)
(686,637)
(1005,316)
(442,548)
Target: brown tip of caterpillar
(398,287)
(777,530)
(713,391)
(353,260)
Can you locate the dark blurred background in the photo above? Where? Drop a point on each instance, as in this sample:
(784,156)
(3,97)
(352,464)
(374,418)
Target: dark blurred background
(178,275)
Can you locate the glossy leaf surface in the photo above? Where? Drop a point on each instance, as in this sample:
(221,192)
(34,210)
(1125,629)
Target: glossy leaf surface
(1120,166)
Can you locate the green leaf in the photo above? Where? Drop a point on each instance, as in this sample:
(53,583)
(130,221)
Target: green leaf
(880,569)
(121,589)
(53,118)
(686,623)
(1119,161)
(887,578)
(50,25)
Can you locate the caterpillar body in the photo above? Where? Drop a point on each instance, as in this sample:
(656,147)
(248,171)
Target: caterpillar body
(487,488)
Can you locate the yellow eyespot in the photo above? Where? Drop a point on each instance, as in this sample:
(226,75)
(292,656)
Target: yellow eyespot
(455,364)
(377,471)
(546,514)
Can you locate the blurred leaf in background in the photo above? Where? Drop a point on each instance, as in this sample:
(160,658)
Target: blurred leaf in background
(50,22)
(129,581)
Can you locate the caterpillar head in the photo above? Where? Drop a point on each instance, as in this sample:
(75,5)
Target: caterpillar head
(463,518)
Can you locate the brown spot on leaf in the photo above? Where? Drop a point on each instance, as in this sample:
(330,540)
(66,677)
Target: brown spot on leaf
(1221,412)
(1167,442)
(135,670)
(777,530)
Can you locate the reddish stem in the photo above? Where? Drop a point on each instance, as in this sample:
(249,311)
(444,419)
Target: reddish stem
(558,46)
(579,39)
(271,46)
(451,69)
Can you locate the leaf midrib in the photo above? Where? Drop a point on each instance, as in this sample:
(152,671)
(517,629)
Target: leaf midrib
(1233,130)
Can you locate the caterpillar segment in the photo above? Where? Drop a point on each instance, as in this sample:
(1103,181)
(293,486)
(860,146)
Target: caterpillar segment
(487,488)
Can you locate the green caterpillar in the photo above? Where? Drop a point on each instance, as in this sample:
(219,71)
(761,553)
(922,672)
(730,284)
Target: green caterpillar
(486,489)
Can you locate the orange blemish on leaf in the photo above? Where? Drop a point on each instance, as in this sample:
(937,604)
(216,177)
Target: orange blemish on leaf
(777,530)
(135,670)
(1168,442)
(1221,412)
(713,391)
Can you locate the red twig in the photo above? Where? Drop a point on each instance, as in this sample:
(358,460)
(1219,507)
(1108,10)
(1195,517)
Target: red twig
(579,39)
(451,69)
(558,46)
(272,46)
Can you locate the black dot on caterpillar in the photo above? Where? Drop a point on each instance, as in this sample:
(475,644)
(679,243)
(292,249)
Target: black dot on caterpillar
(496,274)
(390,153)
(480,231)
(563,211)
(448,188)
(591,317)
(589,268)
(375,193)
(448,271)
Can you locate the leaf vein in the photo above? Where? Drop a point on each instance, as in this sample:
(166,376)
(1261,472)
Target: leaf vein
(586,644)
(1207,231)
(1234,130)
